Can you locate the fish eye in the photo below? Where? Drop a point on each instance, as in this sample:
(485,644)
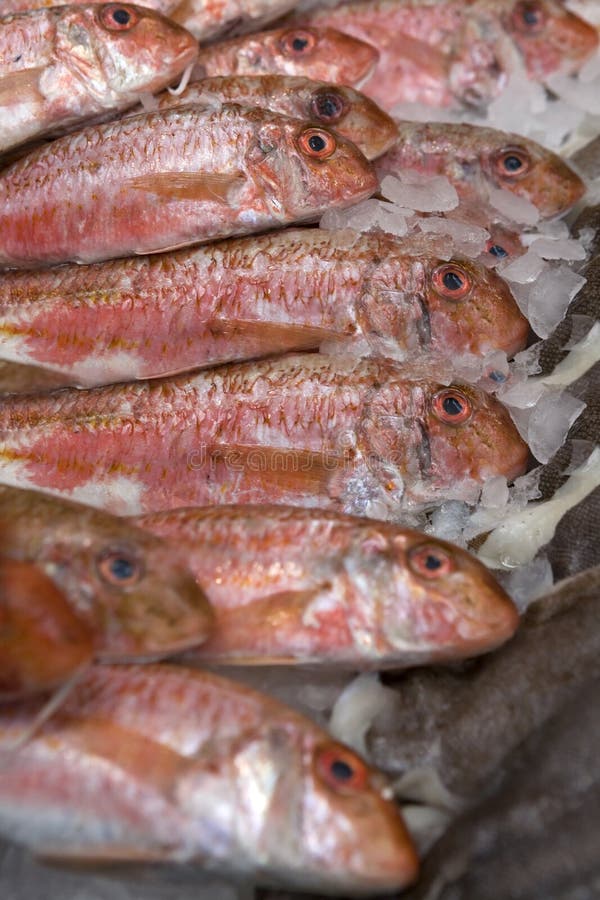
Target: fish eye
(119,568)
(430,561)
(327,106)
(496,250)
(512,162)
(299,42)
(118,18)
(341,769)
(529,17)
(451,281)
(452,407)
(316,143)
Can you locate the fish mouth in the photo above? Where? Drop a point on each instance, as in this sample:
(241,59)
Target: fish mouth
(358,85)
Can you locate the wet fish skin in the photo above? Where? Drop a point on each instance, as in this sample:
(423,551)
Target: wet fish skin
(339,107)
(358,436)
(42,641)
(323,54)
(251,297)
(205,19)
(59,66)
(187,766)
(129,590)
(448,52)
(474,158)
(165,179)
(309,586)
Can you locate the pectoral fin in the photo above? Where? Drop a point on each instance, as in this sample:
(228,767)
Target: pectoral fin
(189,185)
(21,87)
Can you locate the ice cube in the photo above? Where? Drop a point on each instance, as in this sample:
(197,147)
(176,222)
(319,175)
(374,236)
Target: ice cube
(425,193)
(517,209)
(523,270)
(550,296)
(565,248)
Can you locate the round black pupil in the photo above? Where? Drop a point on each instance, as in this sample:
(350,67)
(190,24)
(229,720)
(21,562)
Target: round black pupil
(328,107)
(299,44)
(452,406)
(121,16)
(498,251)
(316,143)
(122,569)
(432,562)
(531,16)
(512,163)
(453,281)
(341,770)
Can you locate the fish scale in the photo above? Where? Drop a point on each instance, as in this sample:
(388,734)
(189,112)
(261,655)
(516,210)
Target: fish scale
(306,429)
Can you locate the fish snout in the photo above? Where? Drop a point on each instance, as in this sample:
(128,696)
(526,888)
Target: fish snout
(491,619)
(388,859)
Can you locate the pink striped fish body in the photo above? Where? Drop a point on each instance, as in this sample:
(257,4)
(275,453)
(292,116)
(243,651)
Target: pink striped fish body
(308,586)
(60,66)
(250,297)
(161,763)
(166,179)
(356,436)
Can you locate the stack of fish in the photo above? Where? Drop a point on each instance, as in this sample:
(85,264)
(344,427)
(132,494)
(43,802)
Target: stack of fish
(155,270)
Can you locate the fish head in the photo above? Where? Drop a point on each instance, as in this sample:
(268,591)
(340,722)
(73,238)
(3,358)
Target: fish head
(127,585)
(353,833)
(320,53)
(460,306)
(124,48)
(528,170)
(550,37)
(151,605)
(470,436)
(351,114)
(304,169)
(301,809)
(440,601)
(472,310)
